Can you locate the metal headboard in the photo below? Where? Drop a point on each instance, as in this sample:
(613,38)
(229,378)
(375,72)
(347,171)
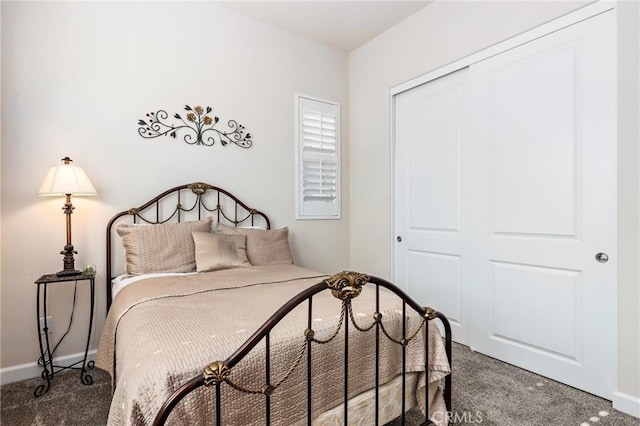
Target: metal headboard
(201,200)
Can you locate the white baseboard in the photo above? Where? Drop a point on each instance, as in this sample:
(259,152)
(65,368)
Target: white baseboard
(626,403)
(31,370)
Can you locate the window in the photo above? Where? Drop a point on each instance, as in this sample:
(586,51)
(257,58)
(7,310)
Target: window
(317,158)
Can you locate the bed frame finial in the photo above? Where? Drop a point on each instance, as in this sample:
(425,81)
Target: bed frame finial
(216,372)
(430,313)
(346,284)
(199,188)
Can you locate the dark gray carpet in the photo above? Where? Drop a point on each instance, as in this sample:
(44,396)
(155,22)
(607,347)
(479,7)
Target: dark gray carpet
(68,401)
(485,392)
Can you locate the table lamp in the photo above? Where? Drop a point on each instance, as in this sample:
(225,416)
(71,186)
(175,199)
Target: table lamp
(66,180)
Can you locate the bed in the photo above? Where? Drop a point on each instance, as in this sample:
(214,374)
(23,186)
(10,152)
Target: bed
(210,322)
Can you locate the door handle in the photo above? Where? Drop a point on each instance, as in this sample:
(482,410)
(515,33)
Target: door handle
(399,239)
(602,257)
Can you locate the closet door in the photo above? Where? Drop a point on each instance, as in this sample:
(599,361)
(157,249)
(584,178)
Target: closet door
(544,188)
(505,207)
(431,248)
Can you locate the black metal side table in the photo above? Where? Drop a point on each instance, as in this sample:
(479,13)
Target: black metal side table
(49,369)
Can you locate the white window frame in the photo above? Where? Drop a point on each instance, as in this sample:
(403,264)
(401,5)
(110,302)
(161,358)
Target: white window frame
(316,209)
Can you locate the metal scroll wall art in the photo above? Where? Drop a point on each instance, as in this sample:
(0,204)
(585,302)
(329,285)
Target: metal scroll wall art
(199,126)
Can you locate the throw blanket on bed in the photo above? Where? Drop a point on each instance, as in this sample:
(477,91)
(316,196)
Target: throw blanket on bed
(161,332)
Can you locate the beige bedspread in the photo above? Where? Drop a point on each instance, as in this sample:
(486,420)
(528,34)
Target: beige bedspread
(161,332)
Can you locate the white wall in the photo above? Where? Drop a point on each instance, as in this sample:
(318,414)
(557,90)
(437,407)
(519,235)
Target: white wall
(439,34)
(77,76)
(628,395)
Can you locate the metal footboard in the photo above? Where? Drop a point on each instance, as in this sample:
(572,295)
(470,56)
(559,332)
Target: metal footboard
(344,286)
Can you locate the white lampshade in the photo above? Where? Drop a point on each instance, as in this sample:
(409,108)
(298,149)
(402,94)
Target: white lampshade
(66,179)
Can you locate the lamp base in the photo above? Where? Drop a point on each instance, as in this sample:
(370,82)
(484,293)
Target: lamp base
(68,262)
(66,272)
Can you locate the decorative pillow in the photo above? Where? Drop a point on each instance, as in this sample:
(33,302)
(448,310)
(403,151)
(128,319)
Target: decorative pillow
(264,247)
(166,247)
(218,251)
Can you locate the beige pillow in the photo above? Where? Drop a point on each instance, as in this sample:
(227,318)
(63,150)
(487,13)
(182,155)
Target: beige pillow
(264,247)
(161,248)
(218,251)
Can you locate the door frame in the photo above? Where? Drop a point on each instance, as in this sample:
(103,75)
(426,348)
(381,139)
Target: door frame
(572,18)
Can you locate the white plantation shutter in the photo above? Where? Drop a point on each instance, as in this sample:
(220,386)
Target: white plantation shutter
(318,159)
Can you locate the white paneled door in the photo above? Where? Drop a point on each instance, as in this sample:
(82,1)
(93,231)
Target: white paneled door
(431,245)
(505,183)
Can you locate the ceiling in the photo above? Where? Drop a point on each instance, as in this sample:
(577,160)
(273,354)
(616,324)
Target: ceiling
(342,24)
